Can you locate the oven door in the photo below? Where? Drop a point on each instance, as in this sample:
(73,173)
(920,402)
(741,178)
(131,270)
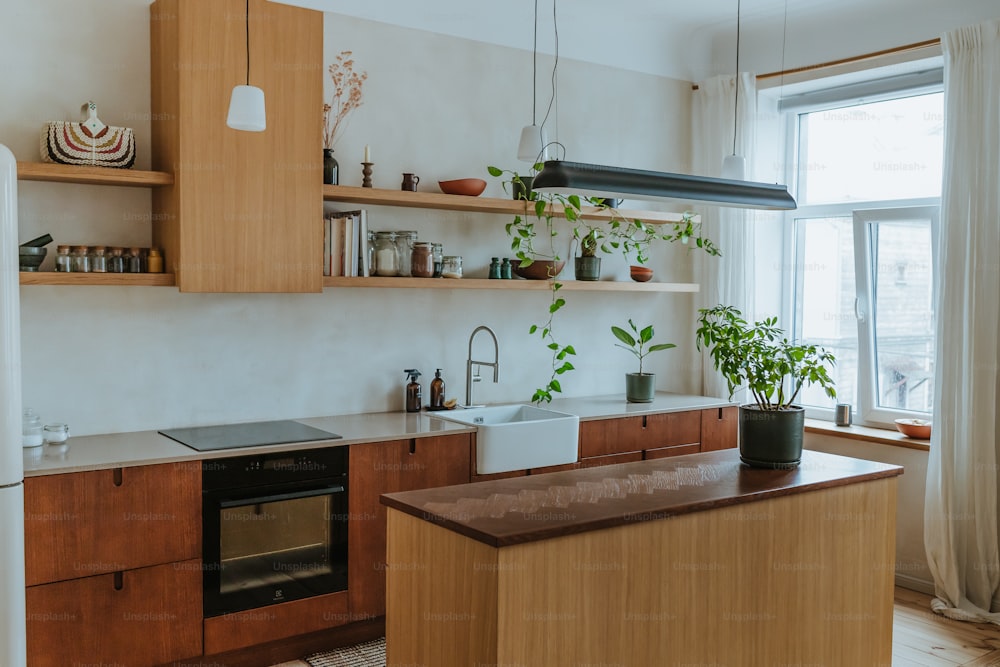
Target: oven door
(268,545)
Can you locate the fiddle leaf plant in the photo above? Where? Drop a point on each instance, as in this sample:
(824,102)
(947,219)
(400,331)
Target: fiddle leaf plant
(636,341)
(762,358)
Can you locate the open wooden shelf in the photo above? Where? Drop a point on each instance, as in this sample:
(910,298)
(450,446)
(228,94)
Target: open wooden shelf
(516,284)
(60,278)
(65,173)
(443,202)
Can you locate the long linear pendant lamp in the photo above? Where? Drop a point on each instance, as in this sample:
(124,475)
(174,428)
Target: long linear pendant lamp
(595,180)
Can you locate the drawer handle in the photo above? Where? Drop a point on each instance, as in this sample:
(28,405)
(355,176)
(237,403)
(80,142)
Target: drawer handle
(119,581)
(116,476)
(413,446)
(720,414)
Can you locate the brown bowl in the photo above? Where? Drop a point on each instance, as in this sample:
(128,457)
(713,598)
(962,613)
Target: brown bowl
(640,274)
(471,187)
(539,269)
(914,428)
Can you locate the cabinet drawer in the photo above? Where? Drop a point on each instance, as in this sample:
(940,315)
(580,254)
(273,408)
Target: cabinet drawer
(676,450)
(88,523)
(719,428)
(138,618)
(610,460)
(634,434)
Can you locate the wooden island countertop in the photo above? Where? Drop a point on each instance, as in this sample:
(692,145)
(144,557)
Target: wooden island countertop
(539,507)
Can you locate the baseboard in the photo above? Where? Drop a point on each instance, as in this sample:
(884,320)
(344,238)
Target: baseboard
(915,584)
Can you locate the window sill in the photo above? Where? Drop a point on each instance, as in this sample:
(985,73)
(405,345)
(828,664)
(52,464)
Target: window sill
(866,433)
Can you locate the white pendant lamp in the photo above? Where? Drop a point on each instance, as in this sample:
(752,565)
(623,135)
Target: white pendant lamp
(533,146)
(246,106)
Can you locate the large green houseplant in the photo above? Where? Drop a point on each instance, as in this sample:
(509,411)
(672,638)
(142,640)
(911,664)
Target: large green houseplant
(774,370)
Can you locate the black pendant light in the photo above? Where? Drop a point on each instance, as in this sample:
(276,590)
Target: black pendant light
(594,180)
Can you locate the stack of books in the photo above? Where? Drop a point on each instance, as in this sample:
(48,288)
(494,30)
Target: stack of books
(345,244)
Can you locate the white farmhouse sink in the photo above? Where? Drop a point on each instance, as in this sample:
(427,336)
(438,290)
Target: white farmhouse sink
(515,437)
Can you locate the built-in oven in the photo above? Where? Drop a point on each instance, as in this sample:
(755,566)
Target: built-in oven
(274,528)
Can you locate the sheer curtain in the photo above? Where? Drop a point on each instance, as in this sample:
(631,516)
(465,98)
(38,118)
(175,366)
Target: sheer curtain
(960,520)
(727,279)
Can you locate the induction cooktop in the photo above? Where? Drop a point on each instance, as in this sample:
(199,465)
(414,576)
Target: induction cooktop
(253,434)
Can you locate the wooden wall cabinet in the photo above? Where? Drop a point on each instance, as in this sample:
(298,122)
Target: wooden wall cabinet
(113,566)
(387,467)
(244,211)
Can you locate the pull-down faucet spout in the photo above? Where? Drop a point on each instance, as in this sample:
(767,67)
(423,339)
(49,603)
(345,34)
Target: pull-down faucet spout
(495,364)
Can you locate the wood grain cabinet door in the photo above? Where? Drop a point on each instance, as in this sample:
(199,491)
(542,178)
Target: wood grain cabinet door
(604,437)
(138,618)
(719,428)
(388,467)
(88,523)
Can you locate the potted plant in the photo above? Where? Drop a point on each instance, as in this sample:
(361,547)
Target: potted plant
(774,370)
(639,387)
(588,264)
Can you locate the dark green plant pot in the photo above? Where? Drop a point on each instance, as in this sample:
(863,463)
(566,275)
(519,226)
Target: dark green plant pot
(521,188)
(588,268)
(640,388)
(771,438)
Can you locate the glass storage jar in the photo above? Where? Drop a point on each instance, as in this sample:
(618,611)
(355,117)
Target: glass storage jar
(31,429)
(386,254)
(116,262)
(55,434)
(452,266)
(438,251)
(80,261)
(404,243)
(422,260)
(63,259)
(98,260)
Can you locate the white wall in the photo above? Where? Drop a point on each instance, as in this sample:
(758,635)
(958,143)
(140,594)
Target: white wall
(117,359)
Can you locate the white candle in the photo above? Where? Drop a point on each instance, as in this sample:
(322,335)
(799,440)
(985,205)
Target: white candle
(368,153)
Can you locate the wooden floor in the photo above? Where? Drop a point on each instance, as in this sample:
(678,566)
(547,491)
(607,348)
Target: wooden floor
(921,638)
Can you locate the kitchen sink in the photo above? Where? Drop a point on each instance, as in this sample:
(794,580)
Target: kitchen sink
(516,437)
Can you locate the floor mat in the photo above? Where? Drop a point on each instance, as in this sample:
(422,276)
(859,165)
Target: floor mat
(369,654)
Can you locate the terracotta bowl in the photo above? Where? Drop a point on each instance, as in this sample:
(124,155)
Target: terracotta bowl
(471,187)
(640,274)
(914,428)
(540,269)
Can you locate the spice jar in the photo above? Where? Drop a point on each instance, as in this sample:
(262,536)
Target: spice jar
(98,260)
(134,263)
(80,261)
(404,243)
(154,263)
(422,260)
(495,268)
(63,260)
(438,251)
(116,262)
(452,267)
(386,254)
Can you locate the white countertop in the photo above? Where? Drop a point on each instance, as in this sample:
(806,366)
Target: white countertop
(120,450)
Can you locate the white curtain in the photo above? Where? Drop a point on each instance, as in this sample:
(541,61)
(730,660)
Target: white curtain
(960,520)
(728,279)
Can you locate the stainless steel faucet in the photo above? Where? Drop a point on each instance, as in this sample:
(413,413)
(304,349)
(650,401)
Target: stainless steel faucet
(495,364)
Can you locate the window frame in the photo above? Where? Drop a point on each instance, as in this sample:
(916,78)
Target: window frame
(868,412)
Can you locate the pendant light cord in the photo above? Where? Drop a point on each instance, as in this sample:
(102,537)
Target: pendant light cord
(534,69)
(248,42)
(553,99)
(736,100)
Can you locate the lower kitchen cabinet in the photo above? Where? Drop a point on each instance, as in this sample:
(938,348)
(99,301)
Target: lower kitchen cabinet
(138,618)
(719,428)
(387,467)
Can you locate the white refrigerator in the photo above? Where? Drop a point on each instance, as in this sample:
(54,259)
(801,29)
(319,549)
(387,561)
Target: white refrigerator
(12,614)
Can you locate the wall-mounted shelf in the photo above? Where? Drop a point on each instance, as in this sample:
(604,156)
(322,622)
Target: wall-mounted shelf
(133,279)
(443,202)
(65,173)
(486,284)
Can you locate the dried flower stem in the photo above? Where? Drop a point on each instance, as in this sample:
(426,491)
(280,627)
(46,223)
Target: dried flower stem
(347,85)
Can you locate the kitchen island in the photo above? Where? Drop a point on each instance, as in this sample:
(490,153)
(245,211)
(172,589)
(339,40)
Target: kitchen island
(695,559)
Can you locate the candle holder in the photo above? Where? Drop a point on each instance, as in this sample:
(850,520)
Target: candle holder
(366,170)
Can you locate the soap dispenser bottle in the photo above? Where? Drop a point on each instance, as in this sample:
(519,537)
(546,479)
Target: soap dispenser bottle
(437,391)
(413,395)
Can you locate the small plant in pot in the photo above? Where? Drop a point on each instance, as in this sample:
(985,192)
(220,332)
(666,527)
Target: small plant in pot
(588,264)
(760,357)
(639,387)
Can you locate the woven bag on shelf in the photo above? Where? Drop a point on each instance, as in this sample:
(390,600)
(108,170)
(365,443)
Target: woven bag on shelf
(89,142)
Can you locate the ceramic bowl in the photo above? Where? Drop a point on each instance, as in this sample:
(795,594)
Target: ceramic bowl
(540,269)
(31,258)
(640,274)
(471,187)
(914,428)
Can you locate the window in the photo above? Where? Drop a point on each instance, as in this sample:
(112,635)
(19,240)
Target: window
(861,284)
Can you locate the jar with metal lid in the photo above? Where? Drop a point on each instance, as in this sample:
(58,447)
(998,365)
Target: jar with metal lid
(98,260)
(422,260)
(437,250)
(386,254)
(80,260)
(452,266)
(404,242)
(116,262)
(63,260)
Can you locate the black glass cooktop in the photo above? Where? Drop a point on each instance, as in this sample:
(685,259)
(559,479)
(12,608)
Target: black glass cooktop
(254,434)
